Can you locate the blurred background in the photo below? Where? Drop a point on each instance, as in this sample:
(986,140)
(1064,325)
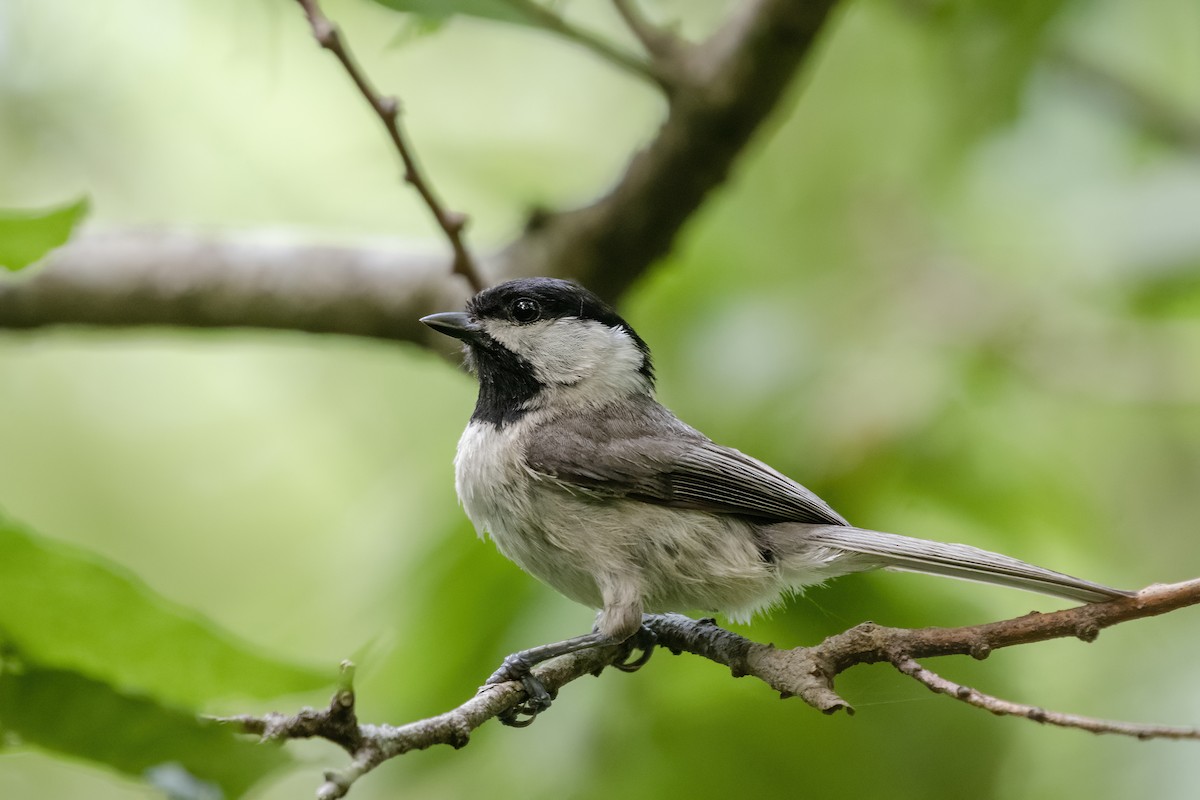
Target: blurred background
(953,287)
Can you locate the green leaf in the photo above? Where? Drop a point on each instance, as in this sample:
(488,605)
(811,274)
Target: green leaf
(65,608)
(1163,291)
(26,236)
(986,51)
(69,714)
(441,10)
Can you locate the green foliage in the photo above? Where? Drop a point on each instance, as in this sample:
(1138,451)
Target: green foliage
(75,716)
(1166,292)
(99,667)
(494,10)
(985,52)
(62,607)
(26,236)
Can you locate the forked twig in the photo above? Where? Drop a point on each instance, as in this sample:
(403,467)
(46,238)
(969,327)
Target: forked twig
(546,18)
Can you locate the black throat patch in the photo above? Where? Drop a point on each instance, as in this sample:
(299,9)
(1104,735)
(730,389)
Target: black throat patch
(506,383)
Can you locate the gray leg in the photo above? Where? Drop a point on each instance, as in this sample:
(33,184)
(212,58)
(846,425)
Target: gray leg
(619,621)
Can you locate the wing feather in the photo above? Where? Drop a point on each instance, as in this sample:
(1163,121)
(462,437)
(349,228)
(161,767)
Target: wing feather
(652,456)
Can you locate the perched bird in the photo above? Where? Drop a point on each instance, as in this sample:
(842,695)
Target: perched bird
(584,480)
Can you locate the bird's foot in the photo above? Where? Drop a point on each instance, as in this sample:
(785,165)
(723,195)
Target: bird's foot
(643,640)
(517,668)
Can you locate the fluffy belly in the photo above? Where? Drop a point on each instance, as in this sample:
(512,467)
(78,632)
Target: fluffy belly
(593,549)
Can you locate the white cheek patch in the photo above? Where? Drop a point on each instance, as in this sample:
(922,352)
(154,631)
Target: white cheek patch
(570,351)
(520,339)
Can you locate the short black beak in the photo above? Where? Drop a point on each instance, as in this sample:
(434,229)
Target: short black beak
(453,323)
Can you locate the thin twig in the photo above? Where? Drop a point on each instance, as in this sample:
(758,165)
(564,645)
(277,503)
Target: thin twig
(1152,110)
(551,21)
(388,111)
(1001,707)
(372,745)
(657,41)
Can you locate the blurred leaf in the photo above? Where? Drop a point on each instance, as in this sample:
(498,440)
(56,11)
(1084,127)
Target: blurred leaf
(174,780)
(72,715)
(987,50)
(26,236)
(63,607)
(1166,292)
(416,28)
(439,10)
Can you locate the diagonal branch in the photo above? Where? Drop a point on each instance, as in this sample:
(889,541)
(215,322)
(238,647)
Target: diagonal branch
(804,672)
(388,111)
(729,86)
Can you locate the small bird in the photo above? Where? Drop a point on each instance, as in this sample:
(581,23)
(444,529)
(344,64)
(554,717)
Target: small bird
(589,484)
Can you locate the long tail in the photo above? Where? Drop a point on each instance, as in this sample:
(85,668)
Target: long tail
(961,561)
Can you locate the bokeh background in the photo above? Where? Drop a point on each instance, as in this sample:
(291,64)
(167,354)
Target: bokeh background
(954,288)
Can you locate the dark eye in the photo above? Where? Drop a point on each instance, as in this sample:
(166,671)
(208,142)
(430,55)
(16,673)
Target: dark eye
(526,310)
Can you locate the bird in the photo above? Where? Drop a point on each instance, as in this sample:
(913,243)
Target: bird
(584,480)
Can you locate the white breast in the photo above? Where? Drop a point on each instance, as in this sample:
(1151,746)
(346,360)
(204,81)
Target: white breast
(673,559)
(487,476)
(507,502)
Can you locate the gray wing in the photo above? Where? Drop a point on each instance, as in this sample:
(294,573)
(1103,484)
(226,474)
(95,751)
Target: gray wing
(648,454)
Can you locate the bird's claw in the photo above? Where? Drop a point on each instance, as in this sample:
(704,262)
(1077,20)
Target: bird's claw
(516,668)
(643,640)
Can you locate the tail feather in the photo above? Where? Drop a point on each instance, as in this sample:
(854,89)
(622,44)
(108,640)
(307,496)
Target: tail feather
(892,551)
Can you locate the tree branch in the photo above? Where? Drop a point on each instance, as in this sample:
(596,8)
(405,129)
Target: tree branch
(388,111)
(804,672)
(371,745)
(265,280)
(731,84)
